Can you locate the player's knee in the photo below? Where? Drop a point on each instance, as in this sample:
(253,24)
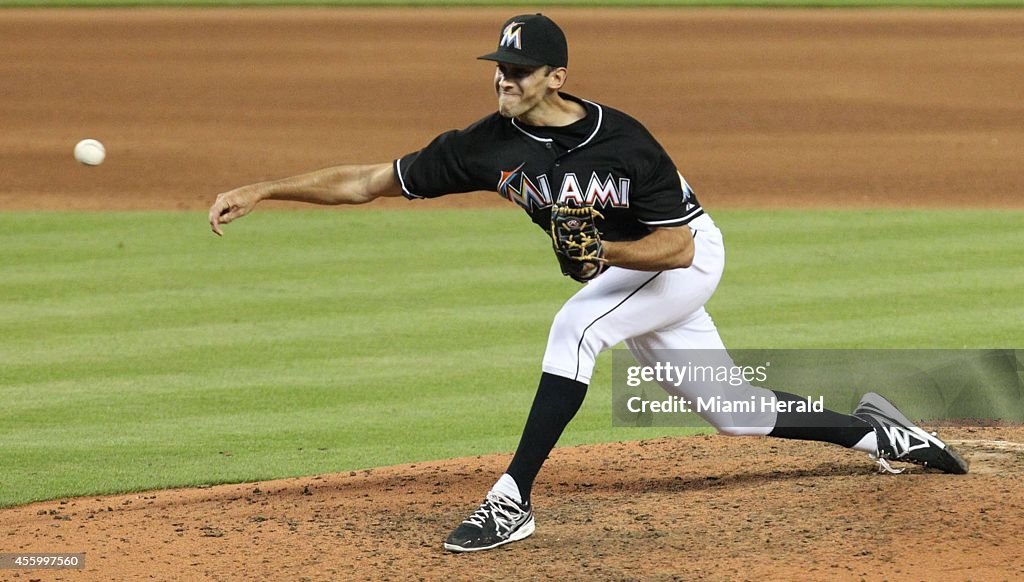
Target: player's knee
(733,431)
(572,330)
(564,326)
(742,431)
(572,347)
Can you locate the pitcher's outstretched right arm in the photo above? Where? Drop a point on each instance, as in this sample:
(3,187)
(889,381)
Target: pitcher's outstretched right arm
(347,184)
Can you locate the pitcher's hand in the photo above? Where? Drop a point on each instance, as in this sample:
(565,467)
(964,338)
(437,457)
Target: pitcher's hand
(231,205)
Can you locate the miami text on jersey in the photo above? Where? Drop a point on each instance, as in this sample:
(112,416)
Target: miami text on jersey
(536,194)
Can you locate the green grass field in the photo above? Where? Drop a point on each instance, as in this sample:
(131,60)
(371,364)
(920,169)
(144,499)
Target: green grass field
(139,351)
(525,3)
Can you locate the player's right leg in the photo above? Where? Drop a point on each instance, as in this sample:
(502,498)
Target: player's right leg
(876,426)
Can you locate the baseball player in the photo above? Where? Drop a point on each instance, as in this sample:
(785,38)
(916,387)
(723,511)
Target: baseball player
(622,220)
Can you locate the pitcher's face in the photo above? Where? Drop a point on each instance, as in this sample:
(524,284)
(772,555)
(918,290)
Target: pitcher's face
(520,88)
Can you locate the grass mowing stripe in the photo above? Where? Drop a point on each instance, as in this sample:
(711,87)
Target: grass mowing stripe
(874,279)
(139,351)
(174,337)
(544,3)
(159,345)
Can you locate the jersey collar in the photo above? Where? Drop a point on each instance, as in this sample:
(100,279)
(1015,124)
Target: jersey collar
(592,109)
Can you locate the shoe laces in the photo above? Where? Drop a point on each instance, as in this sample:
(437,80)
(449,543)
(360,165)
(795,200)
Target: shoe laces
(505,511)
(884,466)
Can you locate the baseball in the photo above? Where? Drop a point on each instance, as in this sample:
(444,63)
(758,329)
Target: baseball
(90,152)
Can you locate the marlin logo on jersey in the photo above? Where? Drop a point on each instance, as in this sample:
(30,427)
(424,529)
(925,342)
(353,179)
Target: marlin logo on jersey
(512,36)
(687,193)
(536,194)
(517,187)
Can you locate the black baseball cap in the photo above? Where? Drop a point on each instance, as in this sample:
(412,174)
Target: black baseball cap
(531,40)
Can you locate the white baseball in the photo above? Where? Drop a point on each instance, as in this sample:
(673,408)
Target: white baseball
(90,152)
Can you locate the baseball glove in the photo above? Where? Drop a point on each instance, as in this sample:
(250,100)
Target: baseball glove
(577,242)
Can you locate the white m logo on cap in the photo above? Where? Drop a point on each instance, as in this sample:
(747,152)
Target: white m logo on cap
(512,36)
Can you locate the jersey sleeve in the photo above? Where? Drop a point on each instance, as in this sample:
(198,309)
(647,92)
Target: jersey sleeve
(444,166)
(661,196)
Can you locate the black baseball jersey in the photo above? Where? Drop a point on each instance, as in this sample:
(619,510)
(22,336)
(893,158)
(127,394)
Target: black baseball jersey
(607,160)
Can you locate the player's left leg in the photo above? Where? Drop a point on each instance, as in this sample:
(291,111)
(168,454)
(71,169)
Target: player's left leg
(619,304)
(609,309)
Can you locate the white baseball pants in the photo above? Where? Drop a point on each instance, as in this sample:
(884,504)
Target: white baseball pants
(655,311)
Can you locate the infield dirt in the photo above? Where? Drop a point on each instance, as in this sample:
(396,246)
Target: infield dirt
(851,108)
